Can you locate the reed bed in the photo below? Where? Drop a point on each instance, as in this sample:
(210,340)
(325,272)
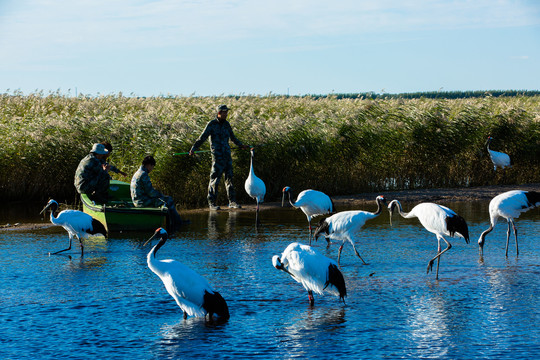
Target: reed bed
(339,146)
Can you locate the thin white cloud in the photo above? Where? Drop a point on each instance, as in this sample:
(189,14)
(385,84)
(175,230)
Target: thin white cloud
(167,22)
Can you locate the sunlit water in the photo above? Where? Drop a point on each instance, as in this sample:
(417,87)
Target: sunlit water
(109,305)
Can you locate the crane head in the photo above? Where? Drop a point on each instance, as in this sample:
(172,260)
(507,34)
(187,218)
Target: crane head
(323,227)
(285,190)
(276,262)
(160,232)
(52,204)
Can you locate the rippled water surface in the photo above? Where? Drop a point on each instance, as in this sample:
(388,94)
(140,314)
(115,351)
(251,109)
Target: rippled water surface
(108,304)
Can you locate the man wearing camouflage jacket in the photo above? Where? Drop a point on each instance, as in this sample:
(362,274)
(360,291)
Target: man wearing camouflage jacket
(143,193)
(219,130)
(92,175)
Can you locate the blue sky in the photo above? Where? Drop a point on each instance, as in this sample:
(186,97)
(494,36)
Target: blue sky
(224,47)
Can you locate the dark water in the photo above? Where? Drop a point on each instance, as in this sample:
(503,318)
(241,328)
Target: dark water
(109,305)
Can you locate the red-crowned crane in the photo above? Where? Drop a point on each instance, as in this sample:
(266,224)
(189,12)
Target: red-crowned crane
(345,225)
(76,223)
(499,159)
(438,220)
(255,187)
(314,271)
(509,205)
(190,290)
(311,202)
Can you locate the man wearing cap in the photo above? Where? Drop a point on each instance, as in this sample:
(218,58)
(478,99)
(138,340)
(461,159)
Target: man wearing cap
(113,168)
(92,175)
(219,130)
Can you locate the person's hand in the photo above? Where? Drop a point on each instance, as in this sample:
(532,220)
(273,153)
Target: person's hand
(106,167)
(191,152)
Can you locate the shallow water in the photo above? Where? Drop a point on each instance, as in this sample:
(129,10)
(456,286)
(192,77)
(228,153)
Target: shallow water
(109,304)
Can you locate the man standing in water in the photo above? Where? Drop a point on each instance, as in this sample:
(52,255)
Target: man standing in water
(219,130)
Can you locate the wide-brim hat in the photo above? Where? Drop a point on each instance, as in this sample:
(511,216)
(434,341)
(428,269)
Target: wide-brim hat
(222,108)
(99,149)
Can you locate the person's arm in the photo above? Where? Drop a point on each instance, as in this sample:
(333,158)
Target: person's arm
(205,134)
(116,170)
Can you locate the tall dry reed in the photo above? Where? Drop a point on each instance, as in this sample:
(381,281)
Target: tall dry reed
(340,146)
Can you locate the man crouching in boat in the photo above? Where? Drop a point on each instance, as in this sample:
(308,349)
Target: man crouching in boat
(92,175)
(143,193)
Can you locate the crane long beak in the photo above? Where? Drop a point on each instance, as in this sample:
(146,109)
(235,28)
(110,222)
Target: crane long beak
(44,209)
(283,199)
(391,211)
(147,241)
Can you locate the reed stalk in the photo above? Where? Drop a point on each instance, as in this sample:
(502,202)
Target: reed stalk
(337,145)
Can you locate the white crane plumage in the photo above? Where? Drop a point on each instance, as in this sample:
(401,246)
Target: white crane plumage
(499,159)
(345,225)
(314,271)
(190,290)
(78,224)
(438,220)
(509,205)
(311,202)
(255,187)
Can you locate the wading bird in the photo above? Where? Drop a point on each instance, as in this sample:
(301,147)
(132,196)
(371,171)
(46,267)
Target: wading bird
(509,205)
(190,290)
(311,202)
(255,187)
(438,220)
(346,224)
(499,159)
(76,223)
(314,271)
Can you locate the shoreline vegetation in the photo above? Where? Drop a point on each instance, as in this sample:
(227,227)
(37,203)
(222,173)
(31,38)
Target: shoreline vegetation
(342,145)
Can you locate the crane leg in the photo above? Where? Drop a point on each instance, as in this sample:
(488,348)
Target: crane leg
(356,252)
(257,215)
(437,257)
(507,238)
(515,234)
(58,252)
(309,232)
(310,297)
(82,245)
(339,253)
(438,260)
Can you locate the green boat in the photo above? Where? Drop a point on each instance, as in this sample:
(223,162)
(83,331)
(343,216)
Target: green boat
(119,213)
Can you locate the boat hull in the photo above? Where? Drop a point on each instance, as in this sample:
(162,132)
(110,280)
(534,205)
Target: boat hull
(119,213)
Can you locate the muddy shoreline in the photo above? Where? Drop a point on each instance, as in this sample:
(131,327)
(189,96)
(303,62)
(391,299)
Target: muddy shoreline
(350,201)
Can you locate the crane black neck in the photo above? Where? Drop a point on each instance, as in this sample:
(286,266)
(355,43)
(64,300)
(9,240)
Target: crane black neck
(161,242)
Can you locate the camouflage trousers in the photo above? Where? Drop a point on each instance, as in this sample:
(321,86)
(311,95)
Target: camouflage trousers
(219,168)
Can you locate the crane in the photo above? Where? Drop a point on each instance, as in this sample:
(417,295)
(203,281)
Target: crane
(314,271)
(438,220)
(255,187)
(499,159)
(190,290)
(509,205)
(346,224)
(311,202)
(78,224)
